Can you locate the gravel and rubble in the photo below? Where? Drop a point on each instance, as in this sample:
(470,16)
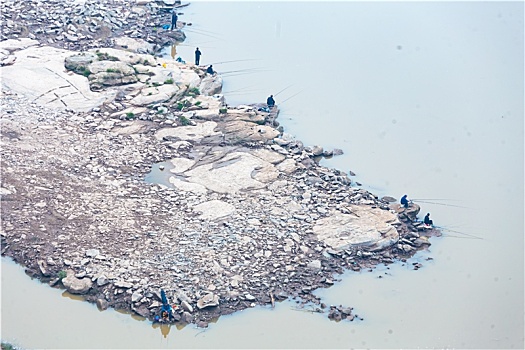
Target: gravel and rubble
(74,199)
(248,217)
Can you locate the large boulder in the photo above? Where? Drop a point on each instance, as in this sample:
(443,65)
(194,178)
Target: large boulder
(210,85)
(365,226)
(155,94)
(76,285)
(79,63)
(124,56)
(110,73)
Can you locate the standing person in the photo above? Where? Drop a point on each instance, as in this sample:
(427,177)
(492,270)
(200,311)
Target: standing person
(197,56)
(174,19)
(270,101)
(427,220)
(404,201)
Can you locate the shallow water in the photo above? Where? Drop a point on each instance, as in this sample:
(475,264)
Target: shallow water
(424,99)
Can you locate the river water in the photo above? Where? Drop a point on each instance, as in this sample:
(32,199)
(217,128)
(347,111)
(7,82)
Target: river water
(424,98)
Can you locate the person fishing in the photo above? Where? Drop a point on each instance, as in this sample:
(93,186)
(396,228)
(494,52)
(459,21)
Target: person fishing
(404,201)
(174,18)
(427,220)
(270,101)
(209,70)
(197,56)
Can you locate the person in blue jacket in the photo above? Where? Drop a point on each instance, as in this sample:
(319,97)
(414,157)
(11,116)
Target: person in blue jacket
(427,220)
(404,201)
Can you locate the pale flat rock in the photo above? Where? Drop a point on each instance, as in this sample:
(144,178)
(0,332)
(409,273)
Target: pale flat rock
(287,166)
(231,174)
(17,44)
(268,155)
(249,131)
(38,73)
(132,44)
(162,74)
(367,226)
(187,186)
(196,132)
(214,209)
(180,165)
(155,94)
(132,127)
(188,77)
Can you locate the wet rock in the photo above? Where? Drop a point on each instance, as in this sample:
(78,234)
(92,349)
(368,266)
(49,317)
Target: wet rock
(209,300)
(75,285)
(317,151)
(102,304)
(186,306)
(43,268)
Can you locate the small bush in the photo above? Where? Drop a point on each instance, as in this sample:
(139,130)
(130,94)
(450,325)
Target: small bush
(83,71)
(184,121)
(194,91)
(223,110)
(130,115)
(103,56)
(169,81)
(182,104)
(198,103)
(112,70)
(155,84)
(62,274)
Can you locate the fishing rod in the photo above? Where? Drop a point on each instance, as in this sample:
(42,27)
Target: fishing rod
(444,204)
(246,87)
(283,89)
(204,34)
(246,73)
(433,199)
(447,235)
(290,97)
(462,233)
(204,47)
(203,30)
(248,59)
(242,70)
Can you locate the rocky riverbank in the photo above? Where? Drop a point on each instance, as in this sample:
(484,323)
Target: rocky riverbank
(249,218)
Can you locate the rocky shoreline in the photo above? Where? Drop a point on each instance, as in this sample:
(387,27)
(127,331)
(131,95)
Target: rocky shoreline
(249,218)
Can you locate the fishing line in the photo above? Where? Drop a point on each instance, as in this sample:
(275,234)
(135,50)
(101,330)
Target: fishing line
(248,59)
(283,89)
(290,97)
(444,204)
(208,35)
(433,199)
(462,233)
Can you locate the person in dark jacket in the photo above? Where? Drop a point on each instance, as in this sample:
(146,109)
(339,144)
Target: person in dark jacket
(404,201)
(427,220)
(197,56)
(270,101)
(174,19)
(209,70)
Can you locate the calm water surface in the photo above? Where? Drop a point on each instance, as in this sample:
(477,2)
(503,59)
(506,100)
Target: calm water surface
(424,98)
